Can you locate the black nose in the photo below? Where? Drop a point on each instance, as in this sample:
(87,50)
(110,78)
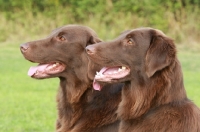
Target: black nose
(90,49)
(24,47)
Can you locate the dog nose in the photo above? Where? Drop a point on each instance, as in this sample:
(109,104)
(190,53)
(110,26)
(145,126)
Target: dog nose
(24,47)
(90,49)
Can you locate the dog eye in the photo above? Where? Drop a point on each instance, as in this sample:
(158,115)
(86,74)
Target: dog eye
(130,42)
(61,38)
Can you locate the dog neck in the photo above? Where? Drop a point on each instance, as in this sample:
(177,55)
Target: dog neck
(71,96)
(164,87)
(74,90)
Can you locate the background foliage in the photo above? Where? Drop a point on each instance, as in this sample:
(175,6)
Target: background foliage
(24,18)
(28,105)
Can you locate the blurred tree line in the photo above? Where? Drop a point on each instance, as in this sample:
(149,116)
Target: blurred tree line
(162,14)
(82,9)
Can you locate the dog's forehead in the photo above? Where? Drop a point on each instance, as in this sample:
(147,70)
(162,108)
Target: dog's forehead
(68,28)
(141,30)
(73,28)
(77,30)
(146,31)
(138,31)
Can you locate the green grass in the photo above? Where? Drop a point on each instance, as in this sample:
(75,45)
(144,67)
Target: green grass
(191,71)
(28,105)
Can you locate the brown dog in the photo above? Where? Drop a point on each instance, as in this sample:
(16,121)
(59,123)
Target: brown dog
(154,97)
(62,54)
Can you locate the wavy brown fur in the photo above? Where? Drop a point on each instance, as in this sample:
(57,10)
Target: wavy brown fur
(153,98)
(80,108)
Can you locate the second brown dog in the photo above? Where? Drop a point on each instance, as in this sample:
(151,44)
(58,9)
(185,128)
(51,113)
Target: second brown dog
(153,98)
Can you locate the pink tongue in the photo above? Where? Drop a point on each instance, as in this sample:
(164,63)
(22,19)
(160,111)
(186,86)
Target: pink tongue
(107,70)
(96,86)
(103,69)
(39,68)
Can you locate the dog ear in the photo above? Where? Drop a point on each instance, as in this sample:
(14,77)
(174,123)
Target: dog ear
(93,40)
(160,54)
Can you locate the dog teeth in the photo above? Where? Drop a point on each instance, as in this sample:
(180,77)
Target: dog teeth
(110,73)
(54,65)
(123,67)
(98,74)
(119,69)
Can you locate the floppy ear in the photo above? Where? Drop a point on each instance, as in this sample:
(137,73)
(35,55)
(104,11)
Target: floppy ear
(160,54)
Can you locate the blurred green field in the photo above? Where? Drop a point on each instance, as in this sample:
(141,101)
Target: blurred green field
(28,105)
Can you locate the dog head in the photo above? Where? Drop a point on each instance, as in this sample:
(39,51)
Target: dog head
(135,55)
(61,52)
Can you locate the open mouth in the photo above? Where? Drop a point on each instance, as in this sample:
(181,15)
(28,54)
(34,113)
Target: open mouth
(45,70)
(108,74)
